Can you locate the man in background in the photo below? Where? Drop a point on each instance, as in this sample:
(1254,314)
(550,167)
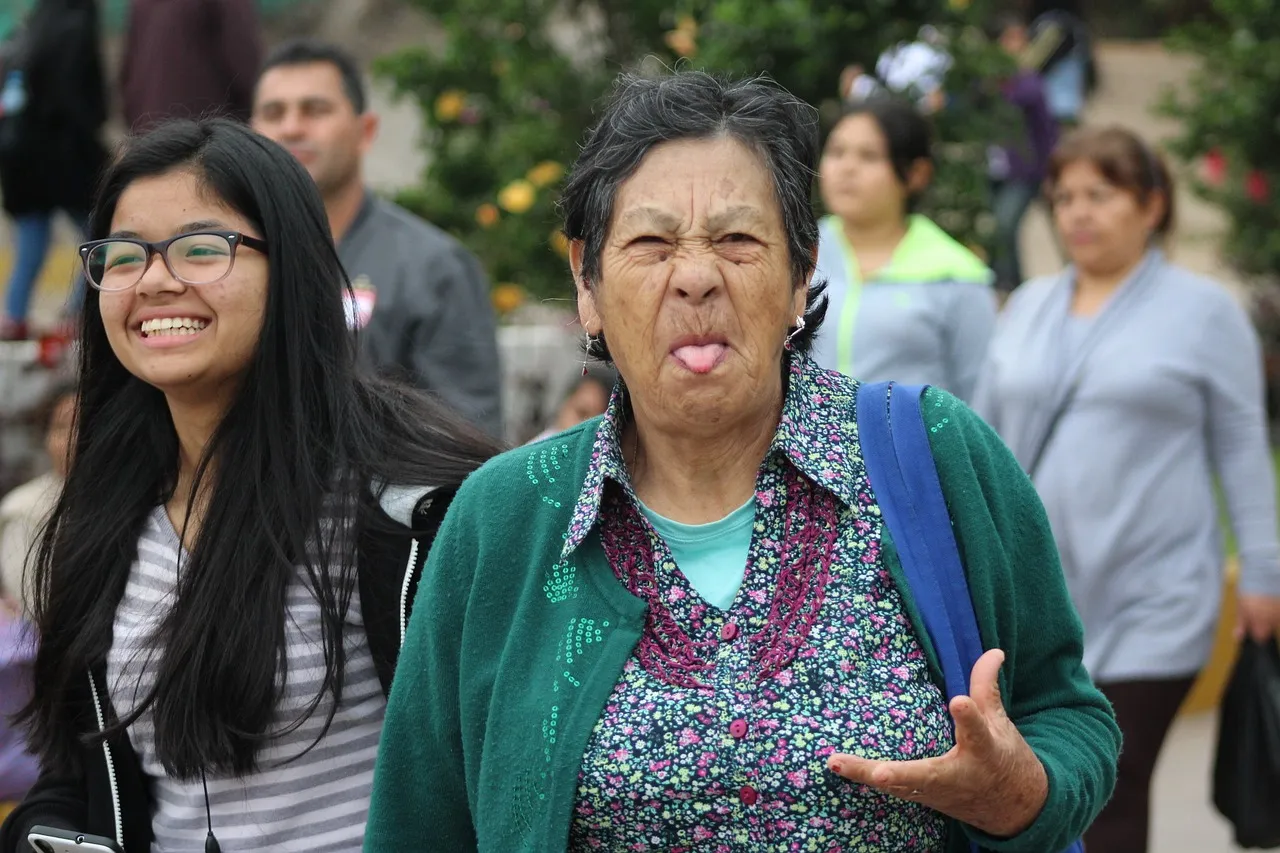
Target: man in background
(189,59)
(421,301)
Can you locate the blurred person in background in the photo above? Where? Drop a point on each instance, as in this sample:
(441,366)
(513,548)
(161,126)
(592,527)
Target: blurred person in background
(1125,386)
(18,767)
(421,299)
(189,59)
(1017,169)
(588,398)
(25,509)
(52,109)
(916,70)
(908,302)
(1060,49)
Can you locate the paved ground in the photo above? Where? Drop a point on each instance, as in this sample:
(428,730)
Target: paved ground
(1132,76)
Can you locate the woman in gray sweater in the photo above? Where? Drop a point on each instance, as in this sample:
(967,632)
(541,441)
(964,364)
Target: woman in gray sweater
(1125,385)
(907,302)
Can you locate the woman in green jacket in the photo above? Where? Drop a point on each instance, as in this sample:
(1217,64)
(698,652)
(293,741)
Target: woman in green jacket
(683,625)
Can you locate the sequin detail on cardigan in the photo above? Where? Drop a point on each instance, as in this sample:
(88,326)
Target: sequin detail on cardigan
(804,552)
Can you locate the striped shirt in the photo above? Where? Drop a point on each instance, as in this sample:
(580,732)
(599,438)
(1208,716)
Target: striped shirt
(317,803)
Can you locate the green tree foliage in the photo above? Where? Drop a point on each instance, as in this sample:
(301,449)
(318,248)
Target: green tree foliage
(1229,115)
(508,95)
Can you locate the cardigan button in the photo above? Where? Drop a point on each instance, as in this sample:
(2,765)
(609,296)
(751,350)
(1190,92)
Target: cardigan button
(748,795)
(729,631)
(738,728)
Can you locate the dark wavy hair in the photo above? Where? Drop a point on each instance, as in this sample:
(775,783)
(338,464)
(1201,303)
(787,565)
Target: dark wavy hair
(645,112)
(306,432)
(908,135)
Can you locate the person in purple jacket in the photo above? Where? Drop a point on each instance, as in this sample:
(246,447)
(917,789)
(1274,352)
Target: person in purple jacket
(1017,168)
(18,768)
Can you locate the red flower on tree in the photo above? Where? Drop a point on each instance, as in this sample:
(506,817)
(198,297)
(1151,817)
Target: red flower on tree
(1256,187)
(1214,167)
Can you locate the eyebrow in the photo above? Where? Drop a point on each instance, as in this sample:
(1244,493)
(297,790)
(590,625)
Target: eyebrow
(302,100)
(741,214)
(189,228)
(718,221)
(654,216)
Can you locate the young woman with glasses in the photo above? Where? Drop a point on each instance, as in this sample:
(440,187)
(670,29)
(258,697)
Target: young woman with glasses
(223,587)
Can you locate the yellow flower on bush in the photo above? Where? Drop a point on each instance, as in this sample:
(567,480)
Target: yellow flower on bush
(560,243)
(958,5)
(450,105)
(683,40)
(506,297)
(517,196)
(546,172)
(487,215)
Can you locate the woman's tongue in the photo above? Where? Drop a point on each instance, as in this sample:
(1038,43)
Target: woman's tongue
(699,358)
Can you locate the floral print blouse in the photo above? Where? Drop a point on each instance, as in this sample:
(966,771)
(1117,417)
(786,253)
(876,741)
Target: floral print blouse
(715,737)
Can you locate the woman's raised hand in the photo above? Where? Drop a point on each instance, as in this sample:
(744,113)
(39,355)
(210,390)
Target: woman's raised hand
(991,779)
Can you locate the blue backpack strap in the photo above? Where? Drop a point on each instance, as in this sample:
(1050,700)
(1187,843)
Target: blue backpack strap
(904,478)
(899,460)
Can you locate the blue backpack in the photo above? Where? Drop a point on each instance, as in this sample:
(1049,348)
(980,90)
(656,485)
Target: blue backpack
(899,460)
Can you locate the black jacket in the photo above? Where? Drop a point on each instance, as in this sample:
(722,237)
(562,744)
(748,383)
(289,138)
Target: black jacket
(51,152)
(112,798)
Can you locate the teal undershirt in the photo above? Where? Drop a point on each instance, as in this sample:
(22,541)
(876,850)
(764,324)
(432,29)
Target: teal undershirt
(713,557)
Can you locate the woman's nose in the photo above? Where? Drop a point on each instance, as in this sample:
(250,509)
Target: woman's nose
(696,276)
(157,279)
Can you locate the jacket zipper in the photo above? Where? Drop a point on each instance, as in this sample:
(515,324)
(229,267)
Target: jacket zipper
(111,767)
(404,590)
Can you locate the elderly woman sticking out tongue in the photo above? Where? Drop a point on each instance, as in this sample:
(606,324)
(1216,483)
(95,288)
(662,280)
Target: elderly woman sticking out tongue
(682,625)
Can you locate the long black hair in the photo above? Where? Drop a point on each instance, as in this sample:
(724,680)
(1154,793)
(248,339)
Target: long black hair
(306,431)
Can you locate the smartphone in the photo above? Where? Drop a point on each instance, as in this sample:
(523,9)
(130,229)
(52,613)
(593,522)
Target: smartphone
(46,839)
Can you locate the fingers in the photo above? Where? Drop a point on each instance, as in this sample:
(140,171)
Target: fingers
(984,682)
(906,779)
(1256,617)
(973,726)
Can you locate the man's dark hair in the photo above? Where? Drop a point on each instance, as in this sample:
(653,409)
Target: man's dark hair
(306,51)
(644,113)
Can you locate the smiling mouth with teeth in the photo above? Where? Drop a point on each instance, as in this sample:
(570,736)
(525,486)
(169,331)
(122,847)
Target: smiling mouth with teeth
(172,326)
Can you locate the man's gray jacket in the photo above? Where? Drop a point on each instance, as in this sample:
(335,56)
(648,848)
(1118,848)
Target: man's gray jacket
(432,322)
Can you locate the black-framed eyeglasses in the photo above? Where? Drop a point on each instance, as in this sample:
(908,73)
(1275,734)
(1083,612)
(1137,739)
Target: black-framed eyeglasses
(201,257)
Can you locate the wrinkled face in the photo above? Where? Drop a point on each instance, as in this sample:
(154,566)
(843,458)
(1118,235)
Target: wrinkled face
(695,296)
(1105,228)
(305,109)
(189,340)
(858,182)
